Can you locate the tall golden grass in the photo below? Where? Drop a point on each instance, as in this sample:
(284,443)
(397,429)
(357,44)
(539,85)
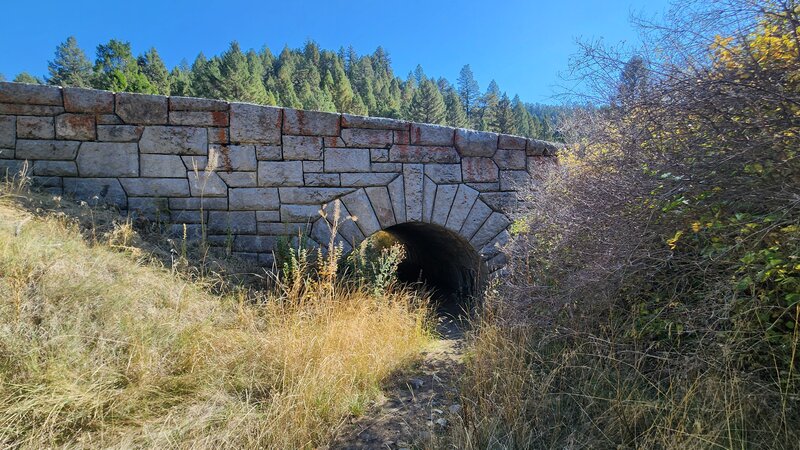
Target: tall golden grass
(99,349)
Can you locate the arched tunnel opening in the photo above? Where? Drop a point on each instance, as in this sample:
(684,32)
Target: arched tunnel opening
(444,263)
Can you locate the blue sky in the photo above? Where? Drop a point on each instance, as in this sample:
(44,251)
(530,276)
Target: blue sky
(523,45)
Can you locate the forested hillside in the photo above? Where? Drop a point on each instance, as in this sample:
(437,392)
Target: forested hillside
(306,78)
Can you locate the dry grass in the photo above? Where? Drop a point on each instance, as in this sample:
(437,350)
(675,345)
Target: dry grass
(98,349)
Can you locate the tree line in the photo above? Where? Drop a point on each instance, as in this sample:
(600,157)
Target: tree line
(305,78)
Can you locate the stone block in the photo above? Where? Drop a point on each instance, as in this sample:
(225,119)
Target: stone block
(96,191)
(269,153)
(462,205)
(119,133)
(8,131)
(55,168)
(255,123)
(174,140)
(475,143)
(386,167)
(423,154)
(347,226)
(397,193)
(500,201)
(77,127)
(379,155)
(63,150)
(381,205)
(35,128)
(479,170)
(310,123)
(199,118)
(149,207)
(360,137)
(537,147)
(311,195)
(381,123)
(313,166)
(475,219)
(195,162)
(427,134)
(141,109)
(229,158)
(252,199)
(108,159)
(358,205)
(347,160)
(204,203)
(218,136)
(232,222)
(196,104)
(402,137)
(367,179)
(513,179)
(268,216)
(443,173)
(239,179)
(255,244)
(302,148)
(509,142)
(79,100)
(11,168)
(30,94)
(8,153)
(278,228)
(108,119)
(445,194)
(322,179)
(413,175)
(187,216)
(206,184)
(280,173)
(510,159)
(45,181)
(485,187)
(30,110)
(333,141)
(299,213)
(161,166)
(156,187)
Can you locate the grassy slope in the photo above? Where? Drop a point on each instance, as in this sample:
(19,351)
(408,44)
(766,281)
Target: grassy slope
(98,349)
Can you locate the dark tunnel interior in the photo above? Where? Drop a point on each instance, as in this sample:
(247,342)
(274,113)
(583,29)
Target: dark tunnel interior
(444,262)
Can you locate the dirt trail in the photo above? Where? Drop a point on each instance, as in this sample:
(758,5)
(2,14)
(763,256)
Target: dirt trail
(417,406)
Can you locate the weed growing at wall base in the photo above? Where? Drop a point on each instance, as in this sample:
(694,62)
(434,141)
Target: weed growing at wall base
(99,349)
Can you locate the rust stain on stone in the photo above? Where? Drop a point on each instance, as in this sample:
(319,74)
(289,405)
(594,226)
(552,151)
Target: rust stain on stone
(219,118)
(226,158)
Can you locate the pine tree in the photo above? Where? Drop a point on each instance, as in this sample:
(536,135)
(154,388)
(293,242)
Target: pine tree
(522,118)
(116,69)
(504,119)
(427,105)
(455,116)
(152,66)
(70,67)
(239,76)
(469,91)
(180,80)
(488,108)
(25,77)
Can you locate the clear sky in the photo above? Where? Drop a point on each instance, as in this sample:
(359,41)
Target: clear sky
(523,45)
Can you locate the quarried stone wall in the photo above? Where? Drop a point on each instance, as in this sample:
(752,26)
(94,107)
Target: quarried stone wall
(253,173)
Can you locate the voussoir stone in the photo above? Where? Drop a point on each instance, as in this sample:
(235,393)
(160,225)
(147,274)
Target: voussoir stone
(141,109)
(475,143)
(108,159)
(30,94)
(255,123)
(312,123)
(427,134)
(79,100)
(79,127)
(174,140)
(381,205)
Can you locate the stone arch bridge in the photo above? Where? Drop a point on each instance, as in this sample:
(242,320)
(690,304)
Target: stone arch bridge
(253,173)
